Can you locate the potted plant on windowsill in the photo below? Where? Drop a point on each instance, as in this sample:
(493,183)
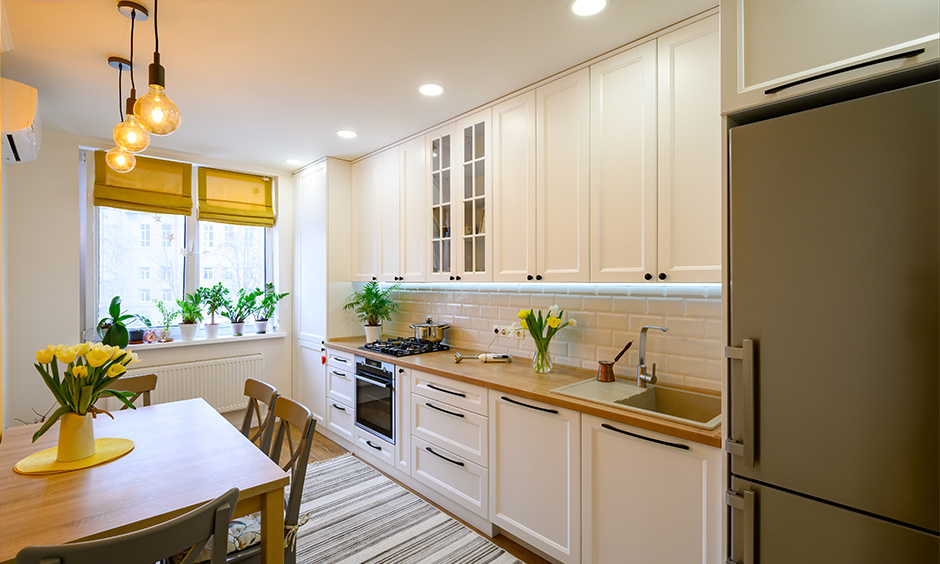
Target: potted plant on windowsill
(112,328)
(216,298)
(245,304)
(169,314)
(267,306)
(373,305)
(191,315)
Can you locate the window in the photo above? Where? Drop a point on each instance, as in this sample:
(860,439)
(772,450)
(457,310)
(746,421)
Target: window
(207,273)
(240,263)
(166,235)
(144,295)
(145,273)
(166,296)
(144,234)
(166,273)
(228,234)
(208,235)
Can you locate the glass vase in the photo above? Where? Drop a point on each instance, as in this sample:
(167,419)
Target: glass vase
(542,360)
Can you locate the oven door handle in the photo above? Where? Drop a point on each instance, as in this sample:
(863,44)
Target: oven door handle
(385,385)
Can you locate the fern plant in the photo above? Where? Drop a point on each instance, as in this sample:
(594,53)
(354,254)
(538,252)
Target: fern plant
(373,304)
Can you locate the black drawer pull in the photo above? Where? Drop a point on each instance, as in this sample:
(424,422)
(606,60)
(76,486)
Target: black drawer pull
(433,387)
(456,462)
(443,410)
(904,55)
(368,442)
(650,439)
(530,406)
(339,407)
(338,359)
(339,374)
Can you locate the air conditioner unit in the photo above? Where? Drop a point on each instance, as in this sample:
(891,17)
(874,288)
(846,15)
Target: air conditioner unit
(19,121)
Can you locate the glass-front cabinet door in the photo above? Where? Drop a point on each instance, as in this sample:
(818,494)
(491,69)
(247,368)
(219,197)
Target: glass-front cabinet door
(440,159)
(474,196)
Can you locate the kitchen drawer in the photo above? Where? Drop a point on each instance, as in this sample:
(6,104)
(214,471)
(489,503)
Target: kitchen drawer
(453,392)
(341,360)
(374,448)
(452,428)
(341,419)
(340,385)
(459,479)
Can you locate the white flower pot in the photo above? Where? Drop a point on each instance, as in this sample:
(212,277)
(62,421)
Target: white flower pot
(373,333)
(76,437)
(238,329)
(212,330)
(261,325)
(188,331)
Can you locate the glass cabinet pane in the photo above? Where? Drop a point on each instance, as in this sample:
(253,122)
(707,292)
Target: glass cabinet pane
(479,216)
(468,180)
(468,217)
(478,140)
(467,144)
(478,182)
(436,188)
(445,221)
(436,154)
(445,186)
(445,151)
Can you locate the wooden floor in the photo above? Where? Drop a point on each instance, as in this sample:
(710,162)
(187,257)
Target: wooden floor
(325,449)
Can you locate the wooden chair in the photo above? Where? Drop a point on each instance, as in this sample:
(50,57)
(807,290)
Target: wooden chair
(186,534)
(140,385)
(258,392)
(288,415)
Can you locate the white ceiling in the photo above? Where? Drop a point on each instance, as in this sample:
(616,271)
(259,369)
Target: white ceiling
(258,82)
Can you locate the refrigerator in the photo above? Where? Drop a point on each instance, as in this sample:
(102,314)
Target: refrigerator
(834,309)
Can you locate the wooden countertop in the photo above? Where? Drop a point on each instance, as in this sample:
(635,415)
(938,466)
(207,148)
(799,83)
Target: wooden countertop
(519,379)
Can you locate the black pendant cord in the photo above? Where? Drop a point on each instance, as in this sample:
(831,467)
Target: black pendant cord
(120,93)
(156,33)
(133,17)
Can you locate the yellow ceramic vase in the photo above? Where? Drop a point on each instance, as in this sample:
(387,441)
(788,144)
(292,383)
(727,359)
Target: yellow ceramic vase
(76,437)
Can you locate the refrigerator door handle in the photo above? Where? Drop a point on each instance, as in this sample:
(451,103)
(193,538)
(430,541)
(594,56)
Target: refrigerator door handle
(745,447)
(746,502)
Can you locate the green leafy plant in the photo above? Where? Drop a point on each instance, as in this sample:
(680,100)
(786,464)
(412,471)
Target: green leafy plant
(168,313)
(191,308)
(216,298)
(113,329)
(268,302)
(244,305)
(373,304)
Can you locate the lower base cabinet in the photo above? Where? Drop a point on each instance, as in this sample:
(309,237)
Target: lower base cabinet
(648,497)
(451,475)
(535,474)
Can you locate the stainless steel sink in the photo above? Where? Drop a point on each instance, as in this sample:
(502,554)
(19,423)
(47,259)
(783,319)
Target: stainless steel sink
(690,408)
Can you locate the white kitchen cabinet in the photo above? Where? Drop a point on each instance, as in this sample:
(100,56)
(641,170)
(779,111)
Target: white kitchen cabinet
(388,179)
(312,378)
(453,428)
(441,263)
(623,166)
(373,449)
(767,44)
(451,475)
(364,220)
(453,392)
(403,419)
(473,198)
(414,214)
(535,474)
(689,155)
(341,420)
(648,497)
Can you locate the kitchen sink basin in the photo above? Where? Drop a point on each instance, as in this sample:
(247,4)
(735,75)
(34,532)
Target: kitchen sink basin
(691,408)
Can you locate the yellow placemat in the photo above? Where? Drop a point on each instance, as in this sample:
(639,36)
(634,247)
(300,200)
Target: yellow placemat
(44,462)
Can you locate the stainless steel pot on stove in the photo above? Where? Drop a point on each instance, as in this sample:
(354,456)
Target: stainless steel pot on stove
(429,332)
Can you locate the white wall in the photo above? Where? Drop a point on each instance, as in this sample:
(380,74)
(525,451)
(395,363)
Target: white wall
(41,291)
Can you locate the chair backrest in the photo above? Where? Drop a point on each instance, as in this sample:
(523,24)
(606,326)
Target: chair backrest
(140,385)
(258,392)
(288,413)
(186,534)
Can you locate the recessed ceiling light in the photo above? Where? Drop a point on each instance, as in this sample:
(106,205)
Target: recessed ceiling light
(587,7)
(431,89)
(293,161)
(346,133)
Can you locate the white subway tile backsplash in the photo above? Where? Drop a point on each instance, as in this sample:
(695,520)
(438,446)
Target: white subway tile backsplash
(666,306)
(568,303)
(713,329)
(612,321)
(686,327)
(703,308)
(630,305)
(520,301)
(685,365)
(638,321)
(541,301)
(597,303)
(703,348)
(499,299)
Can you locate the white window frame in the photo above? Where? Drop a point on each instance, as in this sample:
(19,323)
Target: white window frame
(144,273)
(144,229)
(88,261)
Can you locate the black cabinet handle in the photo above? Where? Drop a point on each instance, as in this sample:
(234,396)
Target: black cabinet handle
(368,442)
(650,439)
(648,276)
(455,462)
(455,414)
(374,278)
(433,387)
(451,277)
(338,359)
(538,276)
(662,275)
(905,55)
(529,277)
(530,406)
(458,278)
(339,407)
(338,373)
(401,370)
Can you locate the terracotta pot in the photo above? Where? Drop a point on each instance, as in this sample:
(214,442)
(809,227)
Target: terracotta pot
(76,437)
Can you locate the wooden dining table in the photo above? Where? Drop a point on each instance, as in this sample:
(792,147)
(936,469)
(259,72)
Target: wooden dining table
(185,454)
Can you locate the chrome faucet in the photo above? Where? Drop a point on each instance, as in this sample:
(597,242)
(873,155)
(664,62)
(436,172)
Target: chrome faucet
(642,377)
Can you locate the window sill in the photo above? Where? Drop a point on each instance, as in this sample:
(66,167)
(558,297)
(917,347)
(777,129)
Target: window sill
(203,341)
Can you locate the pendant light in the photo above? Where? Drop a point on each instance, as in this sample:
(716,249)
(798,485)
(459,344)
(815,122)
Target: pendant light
(154,110)
(119,158)
(129,135)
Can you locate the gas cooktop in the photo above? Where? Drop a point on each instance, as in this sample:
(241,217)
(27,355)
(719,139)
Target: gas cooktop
(403,347)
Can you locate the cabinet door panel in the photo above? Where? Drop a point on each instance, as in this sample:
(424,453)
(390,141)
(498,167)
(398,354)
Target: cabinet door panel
(414,233)
(623,166)
(312,378)
(689,197)
(388,176)
(363,221)
(311,245)
(562,209)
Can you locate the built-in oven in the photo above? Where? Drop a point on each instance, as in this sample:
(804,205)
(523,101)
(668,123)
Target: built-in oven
(375,397)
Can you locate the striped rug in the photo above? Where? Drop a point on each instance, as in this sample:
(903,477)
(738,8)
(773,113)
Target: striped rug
(359,516)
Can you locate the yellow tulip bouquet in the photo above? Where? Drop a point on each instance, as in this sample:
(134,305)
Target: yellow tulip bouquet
(543,328)
(89,369)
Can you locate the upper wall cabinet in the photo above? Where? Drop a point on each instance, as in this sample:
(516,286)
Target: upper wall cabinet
(474,197)
(387,176)
(439,156)
(414,216)
(364,221)
(802,47)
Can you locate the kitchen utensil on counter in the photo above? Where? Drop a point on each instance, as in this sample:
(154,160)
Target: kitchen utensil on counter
(484,357)
(429,332)
(605,372)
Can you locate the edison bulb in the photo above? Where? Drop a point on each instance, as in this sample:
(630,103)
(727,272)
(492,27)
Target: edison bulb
(130,136)
(156,112)
(120,160)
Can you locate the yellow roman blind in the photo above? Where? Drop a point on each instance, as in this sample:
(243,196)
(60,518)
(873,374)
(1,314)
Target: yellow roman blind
(154,186)
(236,198)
